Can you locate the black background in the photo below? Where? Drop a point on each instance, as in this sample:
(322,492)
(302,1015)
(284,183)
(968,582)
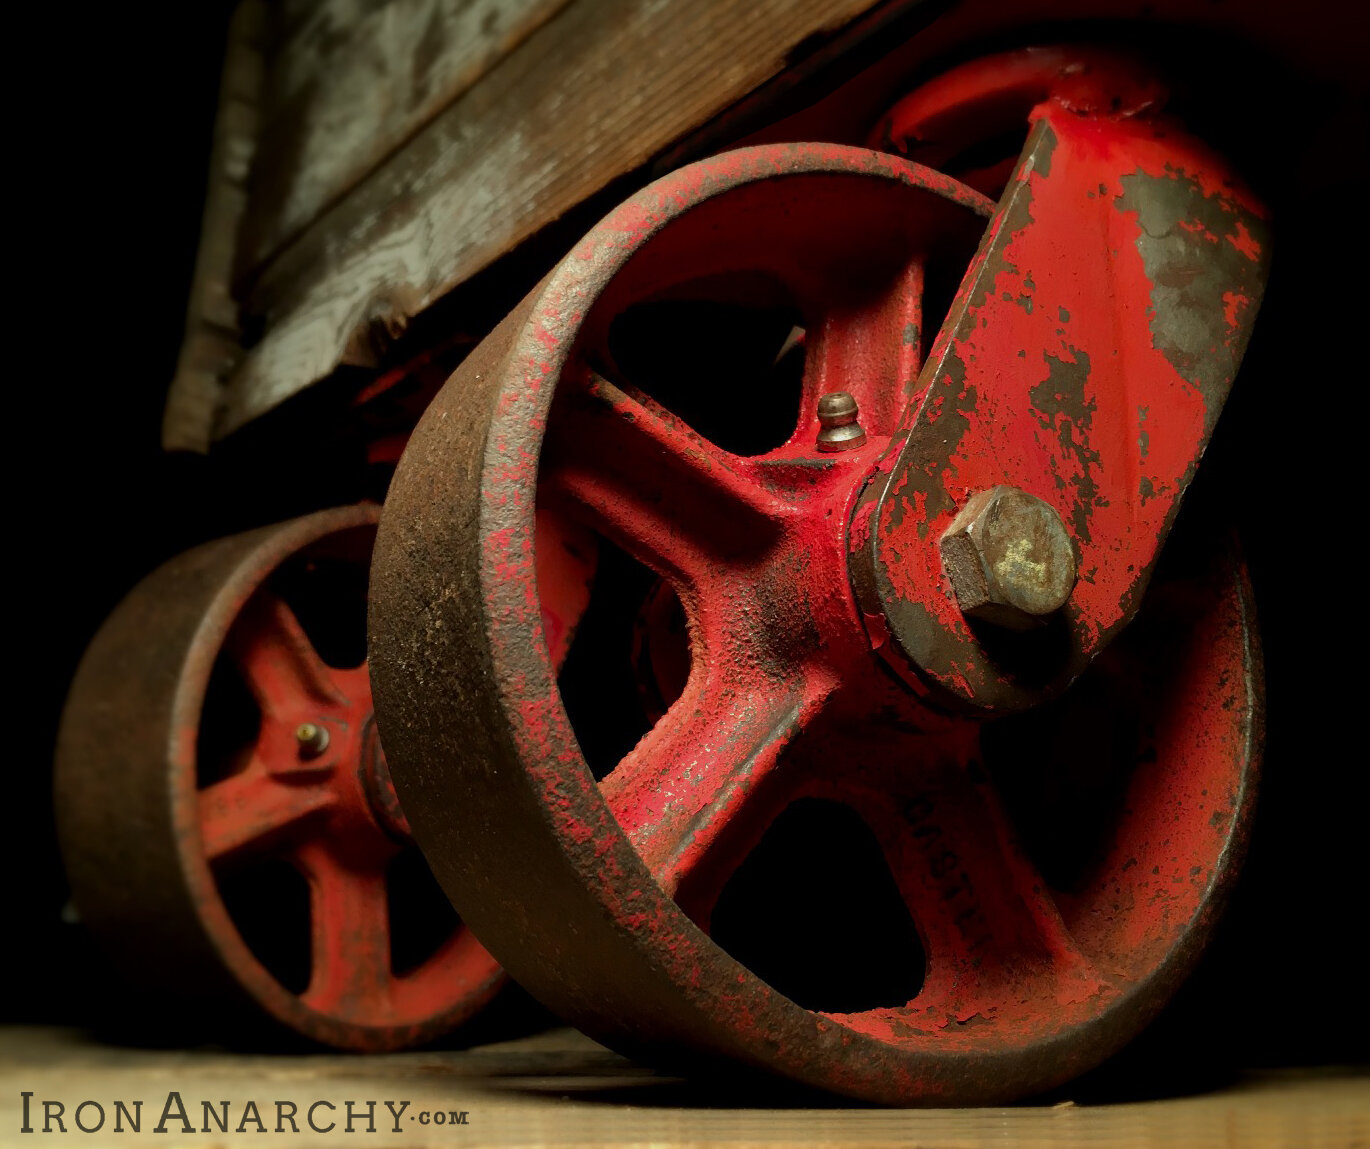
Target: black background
(108,157)
(108,163)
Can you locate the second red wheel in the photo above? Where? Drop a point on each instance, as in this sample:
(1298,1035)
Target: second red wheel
(226,814)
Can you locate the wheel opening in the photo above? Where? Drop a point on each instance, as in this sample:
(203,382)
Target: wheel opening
(625,665)
(732,371)
(986,165)
(420,916)
(661,650)
(941,281)
(230,722)
(326,587)
(1063,769)
(268,901)
(814,912)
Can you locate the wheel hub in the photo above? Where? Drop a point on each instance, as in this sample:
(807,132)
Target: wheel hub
(779,614)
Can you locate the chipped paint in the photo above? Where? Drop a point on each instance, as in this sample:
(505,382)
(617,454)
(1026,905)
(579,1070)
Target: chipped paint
(1144,262)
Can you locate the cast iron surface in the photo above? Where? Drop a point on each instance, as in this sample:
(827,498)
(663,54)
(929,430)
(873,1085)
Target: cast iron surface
(149,834)
(599,895)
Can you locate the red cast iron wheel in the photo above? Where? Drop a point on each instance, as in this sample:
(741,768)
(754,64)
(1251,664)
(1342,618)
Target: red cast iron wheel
(151,830)
(599,896)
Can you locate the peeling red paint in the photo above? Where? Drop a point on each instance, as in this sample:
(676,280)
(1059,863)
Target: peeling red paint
(1010,399)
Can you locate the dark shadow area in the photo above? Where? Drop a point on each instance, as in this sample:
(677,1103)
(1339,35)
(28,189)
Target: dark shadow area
(600,686)
(327,593)
(116,153)
(230,721)
(1033,657)
(814,912)
(268,900)
(420,916)
(725,368)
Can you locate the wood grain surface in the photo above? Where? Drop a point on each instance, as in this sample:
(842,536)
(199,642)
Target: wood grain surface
(350,81)
(212,345)
(592,94)
(559,1088)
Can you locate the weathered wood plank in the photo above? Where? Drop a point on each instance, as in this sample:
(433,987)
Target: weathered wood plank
(593,94)
(349,81)
(212,346)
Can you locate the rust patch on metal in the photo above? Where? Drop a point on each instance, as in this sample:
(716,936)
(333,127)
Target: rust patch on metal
(1207,258)
(1085,361)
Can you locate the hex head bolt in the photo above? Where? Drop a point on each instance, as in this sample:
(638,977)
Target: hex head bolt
(1009,559)
(311,739)
(837,415)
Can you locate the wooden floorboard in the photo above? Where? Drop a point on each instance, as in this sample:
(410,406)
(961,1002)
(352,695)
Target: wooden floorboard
(559,1088)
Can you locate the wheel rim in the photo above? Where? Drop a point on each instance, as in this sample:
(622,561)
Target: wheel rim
(156,840)
(783,670)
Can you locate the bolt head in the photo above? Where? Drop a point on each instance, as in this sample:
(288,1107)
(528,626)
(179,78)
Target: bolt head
(1009,559)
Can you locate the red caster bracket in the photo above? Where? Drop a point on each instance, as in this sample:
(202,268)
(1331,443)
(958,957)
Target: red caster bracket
(214,755)
(938,540)
(971,121)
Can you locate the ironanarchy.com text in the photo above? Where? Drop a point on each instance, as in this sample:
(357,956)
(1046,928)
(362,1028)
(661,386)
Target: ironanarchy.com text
(176,1115)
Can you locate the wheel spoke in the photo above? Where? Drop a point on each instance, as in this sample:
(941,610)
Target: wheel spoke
(280,664)
(350,934)
(644,479)
(690,778)
(869,347)
(983,908)
(253,810)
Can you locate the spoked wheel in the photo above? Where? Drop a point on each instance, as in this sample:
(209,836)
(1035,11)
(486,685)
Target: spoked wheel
(226,814)
(866,833)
